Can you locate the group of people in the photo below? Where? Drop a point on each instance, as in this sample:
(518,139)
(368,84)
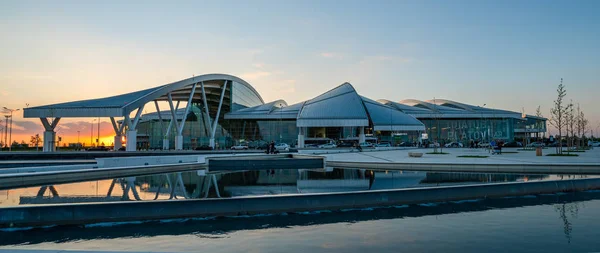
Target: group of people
(271,148)
(496,146)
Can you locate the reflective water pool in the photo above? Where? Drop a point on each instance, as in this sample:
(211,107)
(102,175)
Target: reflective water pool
(544,223)
(192,185)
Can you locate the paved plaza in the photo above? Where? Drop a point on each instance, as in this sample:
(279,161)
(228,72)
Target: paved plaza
(510,156)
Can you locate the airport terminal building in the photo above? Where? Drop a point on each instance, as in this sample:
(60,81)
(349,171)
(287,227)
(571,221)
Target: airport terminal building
(219,111)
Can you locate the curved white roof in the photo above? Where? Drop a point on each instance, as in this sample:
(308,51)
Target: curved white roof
(387,118)
(121,105)
(443,108)
(339,107)
(277,109)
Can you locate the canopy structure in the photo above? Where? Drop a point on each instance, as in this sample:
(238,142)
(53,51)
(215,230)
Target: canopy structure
(217,92)
(277,109)
(339,107)
(448,109)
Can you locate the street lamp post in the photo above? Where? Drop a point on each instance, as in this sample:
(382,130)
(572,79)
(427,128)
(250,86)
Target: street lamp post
(98,139)
(11,120)
(92,132)
(482,121)
(6,131)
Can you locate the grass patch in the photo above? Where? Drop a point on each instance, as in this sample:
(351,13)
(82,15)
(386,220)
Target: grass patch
(437,153)
(562,155)
(473,156)
(576,151)
(510,152)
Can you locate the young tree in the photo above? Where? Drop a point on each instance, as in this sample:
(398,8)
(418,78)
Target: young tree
(557,113)
(582,123)
(570,125)
(538,113)
(35,141)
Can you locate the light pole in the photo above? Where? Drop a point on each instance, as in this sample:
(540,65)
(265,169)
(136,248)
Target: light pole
(280,121)
(6,131)
(92,132)
(11,120)
(482,121)
(98,139)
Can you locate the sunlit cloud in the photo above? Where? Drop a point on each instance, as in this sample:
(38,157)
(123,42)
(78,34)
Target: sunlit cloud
(26,127)
(385,58)
(258,65)
(330,55)
(255,75)
(256,51)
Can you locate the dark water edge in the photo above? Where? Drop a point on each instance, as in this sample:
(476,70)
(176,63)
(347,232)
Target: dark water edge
(560,208)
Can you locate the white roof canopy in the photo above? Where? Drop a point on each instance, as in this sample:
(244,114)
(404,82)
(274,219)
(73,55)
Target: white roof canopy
(121,105)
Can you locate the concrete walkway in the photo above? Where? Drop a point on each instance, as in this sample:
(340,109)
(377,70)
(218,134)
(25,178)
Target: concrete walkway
(523,161)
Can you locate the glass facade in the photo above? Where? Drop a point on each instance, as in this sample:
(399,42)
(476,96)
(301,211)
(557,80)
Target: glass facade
(530,125)
(464,130)
(197,129)
(257,132)
(243,97)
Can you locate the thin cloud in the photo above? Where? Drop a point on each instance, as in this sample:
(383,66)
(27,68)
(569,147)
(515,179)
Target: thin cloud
(330,55)
(258,65)
(255,75)
(385,58)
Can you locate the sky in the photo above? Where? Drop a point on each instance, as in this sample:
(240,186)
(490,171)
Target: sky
(505,54)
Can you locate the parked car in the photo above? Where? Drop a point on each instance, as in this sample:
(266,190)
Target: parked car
(311,145)
(536,144)
(282,147)
(453,145)
(99,148)
(483,145)
(405,144)
(239,147)
(366,145)
(346,144)
(259,144)
(328,145)
(513,144)
(203,147)
(383,144)
(433,145)
(596,144)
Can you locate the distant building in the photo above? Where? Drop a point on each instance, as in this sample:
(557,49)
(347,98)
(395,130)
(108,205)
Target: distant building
(223,110)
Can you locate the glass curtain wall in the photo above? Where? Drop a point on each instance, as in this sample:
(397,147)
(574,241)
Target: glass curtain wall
(464,130)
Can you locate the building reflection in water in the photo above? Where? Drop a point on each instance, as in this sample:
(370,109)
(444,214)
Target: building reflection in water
(196,185)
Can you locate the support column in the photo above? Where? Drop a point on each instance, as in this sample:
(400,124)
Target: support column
(118,139)
(214,126)
(361,135)
(179,138)
(166,140)
(174,121)
(131,134)
(49,141)
(131,140)
(49,134)
(301,137)
(118,142)
(179,142)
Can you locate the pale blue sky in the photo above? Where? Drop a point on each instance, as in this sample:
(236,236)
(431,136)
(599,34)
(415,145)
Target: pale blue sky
(507,54)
